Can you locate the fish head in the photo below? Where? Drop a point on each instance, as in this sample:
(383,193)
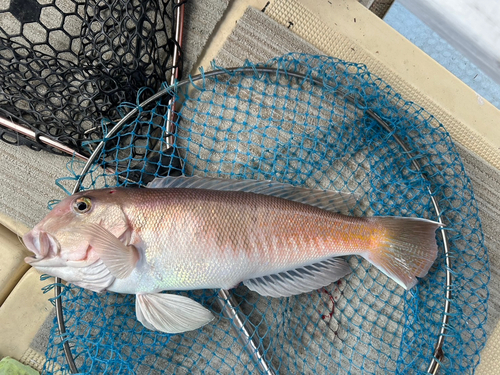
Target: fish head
(60,243)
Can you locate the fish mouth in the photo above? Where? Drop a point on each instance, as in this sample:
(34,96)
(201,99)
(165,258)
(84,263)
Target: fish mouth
(42,245)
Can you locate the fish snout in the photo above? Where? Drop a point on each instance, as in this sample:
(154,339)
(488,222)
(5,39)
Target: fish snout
(42,244)
(29,242)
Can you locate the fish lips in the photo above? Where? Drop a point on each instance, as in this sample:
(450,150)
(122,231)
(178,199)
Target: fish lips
(43,245)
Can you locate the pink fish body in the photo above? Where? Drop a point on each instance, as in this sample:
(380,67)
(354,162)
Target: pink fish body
(198,233)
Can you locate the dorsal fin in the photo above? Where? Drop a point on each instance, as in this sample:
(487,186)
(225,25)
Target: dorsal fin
(325,199)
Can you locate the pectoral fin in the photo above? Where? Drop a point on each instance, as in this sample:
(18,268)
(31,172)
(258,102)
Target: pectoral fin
(170,313)
(119,258)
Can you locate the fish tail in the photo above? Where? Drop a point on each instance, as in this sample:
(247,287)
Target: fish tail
(407,250)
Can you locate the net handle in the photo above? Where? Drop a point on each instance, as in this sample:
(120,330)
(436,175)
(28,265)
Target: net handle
(438,347)
(40,138)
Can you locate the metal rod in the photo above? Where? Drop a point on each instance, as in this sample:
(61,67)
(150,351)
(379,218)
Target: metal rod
(230,310)
(62,328)
(176,69)
(48,141)
(438,349)
(246,339)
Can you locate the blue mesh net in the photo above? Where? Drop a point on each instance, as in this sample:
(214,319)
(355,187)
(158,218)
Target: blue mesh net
(318,132)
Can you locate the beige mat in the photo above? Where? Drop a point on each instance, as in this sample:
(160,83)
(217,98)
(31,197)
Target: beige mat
(27,184)
(485,178)
(472,125)
(255,30)
(200,19)
(347,30)
(486,183)
(30,176)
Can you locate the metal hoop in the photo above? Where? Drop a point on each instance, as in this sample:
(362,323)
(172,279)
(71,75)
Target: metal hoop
(438,348)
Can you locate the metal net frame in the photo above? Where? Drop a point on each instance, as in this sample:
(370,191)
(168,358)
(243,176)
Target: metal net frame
(316,122)
(67,65)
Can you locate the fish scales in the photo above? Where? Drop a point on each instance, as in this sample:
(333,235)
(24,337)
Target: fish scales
(203,239)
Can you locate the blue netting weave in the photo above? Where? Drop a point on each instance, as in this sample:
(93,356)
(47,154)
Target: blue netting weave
(273,126)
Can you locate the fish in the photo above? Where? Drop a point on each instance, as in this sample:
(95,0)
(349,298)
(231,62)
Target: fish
(190,233)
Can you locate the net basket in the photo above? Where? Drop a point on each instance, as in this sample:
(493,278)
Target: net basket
(310,121)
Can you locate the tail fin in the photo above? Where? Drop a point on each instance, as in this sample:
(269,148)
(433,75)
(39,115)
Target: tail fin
(408,251)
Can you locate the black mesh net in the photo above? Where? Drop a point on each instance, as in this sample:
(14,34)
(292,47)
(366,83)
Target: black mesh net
(66,65)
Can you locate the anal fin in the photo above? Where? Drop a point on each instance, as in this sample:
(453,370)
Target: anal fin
(300,280)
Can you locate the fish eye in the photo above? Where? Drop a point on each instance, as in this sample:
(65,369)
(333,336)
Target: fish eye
(82,205)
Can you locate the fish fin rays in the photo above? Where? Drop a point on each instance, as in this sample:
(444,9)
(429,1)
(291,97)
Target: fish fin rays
(409,250)
(170,313)
(325,199)
(119,258)
(300,280)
